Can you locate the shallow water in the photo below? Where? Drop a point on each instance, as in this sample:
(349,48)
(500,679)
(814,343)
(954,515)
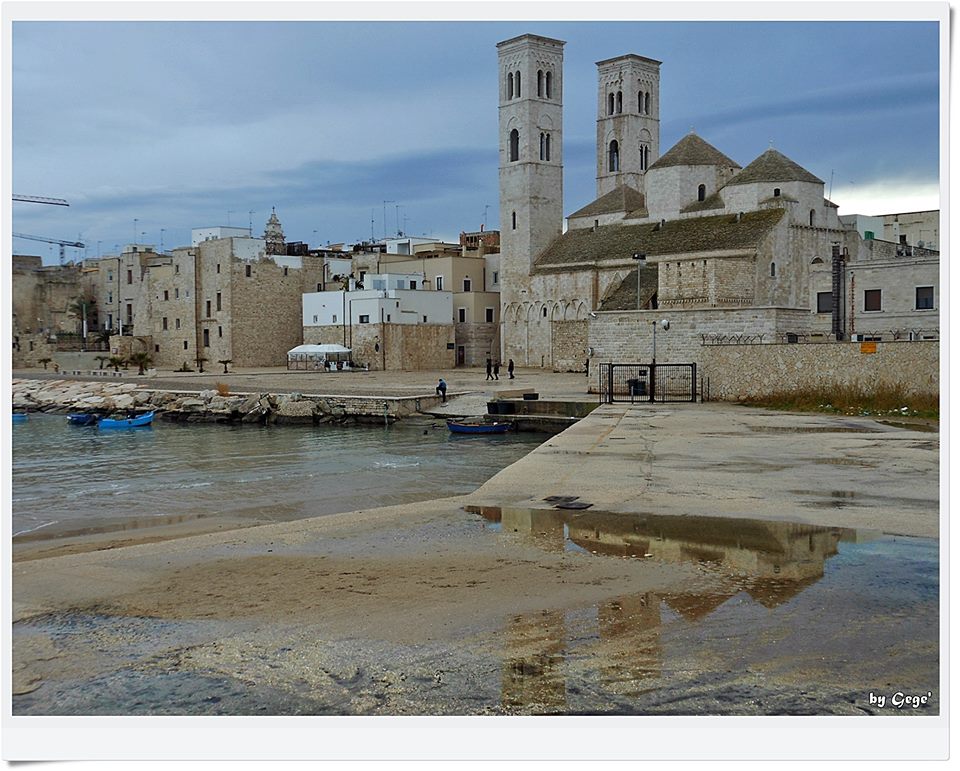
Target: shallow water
(73,478)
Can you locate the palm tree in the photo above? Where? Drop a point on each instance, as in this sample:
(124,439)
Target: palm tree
(83,309)
(116,362)
(45,361)
(141,359)
(102,359)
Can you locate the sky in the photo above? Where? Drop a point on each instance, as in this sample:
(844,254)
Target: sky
(360,129)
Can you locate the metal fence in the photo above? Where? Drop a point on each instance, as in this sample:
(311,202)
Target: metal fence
(636,383)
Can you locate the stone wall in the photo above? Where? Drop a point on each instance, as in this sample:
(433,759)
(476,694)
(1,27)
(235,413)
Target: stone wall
(569,346)
(391,346)
(266,313)
(30,348)
(740,371)
(479,341)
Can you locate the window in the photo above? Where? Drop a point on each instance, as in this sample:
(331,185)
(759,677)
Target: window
(176,323)
(549,85)
(824,302)
(514,145)
(544,311)
(461,315)
(543,146)
(109,275)
(548,148)
(776,192)
(379,283)
(129,276)
(539,82)
(219,301)
(413,284)
(156,349)
(640,102)
(209,313)
(924,298)
(439,283)
(176,293)
(516,82)
(514,221)
(284,270)
(868,235)
(701,192)
(164,322)
(364,318)
(218,267)
(610,104)
(619,102)
(496,277)
(644,157)
(185,345)
(773,270)
(219,331)
(424,319)
(467,284)
(646,103)
(129,314)
(813,214)
(872,300)
(509,85)
(247,271)
(489,316)
(903,240)
(388,317)
(613,159)
(176,268)
(318,287)
(166,294)
(334,318)
(206,338)
(110,297)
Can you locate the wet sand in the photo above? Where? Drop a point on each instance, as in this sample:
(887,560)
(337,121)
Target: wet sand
(431,609)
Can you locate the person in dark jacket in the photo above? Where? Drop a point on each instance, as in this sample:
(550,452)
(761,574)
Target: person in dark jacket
(496,371)
(442,390)
(510,368)
(489,369)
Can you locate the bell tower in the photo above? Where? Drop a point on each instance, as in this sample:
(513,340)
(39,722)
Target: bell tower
(628,121)
(530,75)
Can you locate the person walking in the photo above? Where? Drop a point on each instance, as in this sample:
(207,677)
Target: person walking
(510,368)
(496,371)
(489,369)
(442,391)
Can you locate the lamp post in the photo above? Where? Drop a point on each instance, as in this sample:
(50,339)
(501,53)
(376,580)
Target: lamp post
(641,259)
(665,324)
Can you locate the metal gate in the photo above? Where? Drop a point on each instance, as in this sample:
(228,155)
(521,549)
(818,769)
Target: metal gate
(648,383)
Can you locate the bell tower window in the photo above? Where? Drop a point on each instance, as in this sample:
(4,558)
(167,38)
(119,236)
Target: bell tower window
(644,157)
(549,84)
(610,98)
(514,145)
(517,83)
(646,103)
(613,160)
(509,85)
(539,82)
(619,102)
(812,216)
(701,192)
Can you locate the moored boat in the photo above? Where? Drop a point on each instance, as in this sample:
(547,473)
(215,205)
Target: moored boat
(140,420)
(19,417)
(82,419)
(477,427)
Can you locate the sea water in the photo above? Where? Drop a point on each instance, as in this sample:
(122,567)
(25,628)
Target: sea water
(66,478)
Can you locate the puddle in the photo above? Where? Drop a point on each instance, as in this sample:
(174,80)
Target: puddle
(791,619)
(839,429)
(924,427)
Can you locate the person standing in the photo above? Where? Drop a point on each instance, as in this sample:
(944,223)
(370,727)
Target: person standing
(496,371)
(489,369)
(510,368)
(442,391)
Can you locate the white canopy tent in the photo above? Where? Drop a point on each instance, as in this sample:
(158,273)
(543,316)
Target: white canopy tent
(328,355)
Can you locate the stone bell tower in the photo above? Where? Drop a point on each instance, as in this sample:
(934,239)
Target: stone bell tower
(531,152)
(628,121)
(273,235)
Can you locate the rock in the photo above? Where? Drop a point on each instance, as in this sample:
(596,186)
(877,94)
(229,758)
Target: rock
(253,400)
(190,405)
(207,394)
(123,402)
(289,410)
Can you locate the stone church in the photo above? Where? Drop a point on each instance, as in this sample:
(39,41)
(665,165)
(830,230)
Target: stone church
(689,235)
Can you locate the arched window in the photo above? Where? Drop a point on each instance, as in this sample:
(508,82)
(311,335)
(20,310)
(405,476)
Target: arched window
(514,145)
(539,82)
(613,161)
(549,84)
(701,192)
(517,79)
(544,311)
(609,104)
(619,101)
(646,103)
(776,192)
(543,146)
(812,215)
(514,221)
(773,269)
(548,148)
(509,85)
(644,157)
(640,102)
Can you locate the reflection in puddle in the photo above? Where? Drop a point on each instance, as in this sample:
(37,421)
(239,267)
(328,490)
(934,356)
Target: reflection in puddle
(629,645)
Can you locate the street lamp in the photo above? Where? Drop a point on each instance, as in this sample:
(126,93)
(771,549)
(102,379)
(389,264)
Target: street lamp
(641,259)
(665,325)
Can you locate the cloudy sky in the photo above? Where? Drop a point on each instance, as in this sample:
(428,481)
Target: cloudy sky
(183,124)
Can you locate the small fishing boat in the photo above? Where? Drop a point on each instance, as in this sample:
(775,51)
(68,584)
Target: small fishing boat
(140,420)
(477,427)
(19,417)
(82,419)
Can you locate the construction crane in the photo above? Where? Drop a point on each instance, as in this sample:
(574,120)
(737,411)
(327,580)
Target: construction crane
(75,244)
(40,199)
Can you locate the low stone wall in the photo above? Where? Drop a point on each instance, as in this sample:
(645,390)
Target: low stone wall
(210,407)
(740,371)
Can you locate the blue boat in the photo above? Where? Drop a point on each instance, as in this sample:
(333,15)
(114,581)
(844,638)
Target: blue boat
(140,420)
(19,417)
(466,427)
(82,419)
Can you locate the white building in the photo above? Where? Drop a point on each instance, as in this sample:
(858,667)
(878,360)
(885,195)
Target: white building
(371,306)
(198,235)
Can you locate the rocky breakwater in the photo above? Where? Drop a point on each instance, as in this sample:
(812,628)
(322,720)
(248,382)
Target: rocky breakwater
(207,406)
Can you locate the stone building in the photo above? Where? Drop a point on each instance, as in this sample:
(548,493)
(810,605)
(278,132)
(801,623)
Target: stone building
(692,236)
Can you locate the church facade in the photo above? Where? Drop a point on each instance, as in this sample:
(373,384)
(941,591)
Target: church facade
(692,236)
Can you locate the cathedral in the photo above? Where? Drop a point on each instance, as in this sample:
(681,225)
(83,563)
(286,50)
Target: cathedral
(690,234)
